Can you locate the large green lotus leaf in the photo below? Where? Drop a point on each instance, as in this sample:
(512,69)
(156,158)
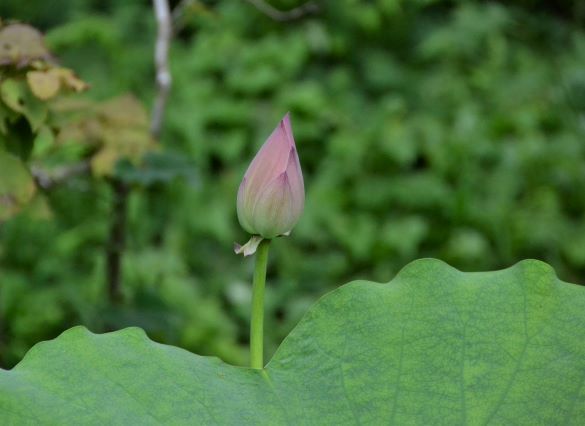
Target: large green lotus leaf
(433,347)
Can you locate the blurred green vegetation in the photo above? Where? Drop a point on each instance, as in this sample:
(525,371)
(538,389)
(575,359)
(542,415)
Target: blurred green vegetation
(425,129)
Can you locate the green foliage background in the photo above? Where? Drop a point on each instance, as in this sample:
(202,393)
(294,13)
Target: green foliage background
(425,129)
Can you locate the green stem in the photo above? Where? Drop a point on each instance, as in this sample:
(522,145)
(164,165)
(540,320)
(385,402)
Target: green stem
(257,320)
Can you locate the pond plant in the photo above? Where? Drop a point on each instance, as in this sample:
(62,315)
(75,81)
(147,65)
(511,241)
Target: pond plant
(432,346)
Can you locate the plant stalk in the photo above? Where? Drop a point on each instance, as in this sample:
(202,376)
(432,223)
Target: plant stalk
(257,319)
(117,241)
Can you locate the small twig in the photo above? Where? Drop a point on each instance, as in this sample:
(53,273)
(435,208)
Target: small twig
(178,12)
(161,59)
(280,15)
(47,180)
(2,340)
(120,190)
(117,241)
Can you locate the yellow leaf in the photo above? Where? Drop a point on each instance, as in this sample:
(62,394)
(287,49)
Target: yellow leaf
(102,164)
(69,79)
(21,45)
(124,111)
(43,84)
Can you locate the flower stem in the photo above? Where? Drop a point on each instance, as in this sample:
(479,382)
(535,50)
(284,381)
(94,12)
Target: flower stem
(257,319)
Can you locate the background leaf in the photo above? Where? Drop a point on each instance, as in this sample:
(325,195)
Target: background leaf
(17,96)
(16,185)
(425,129)
(44,85)
(21,44)
(434,346)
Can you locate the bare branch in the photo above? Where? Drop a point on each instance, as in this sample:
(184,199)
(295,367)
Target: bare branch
(46,180)
(179,9)
(280,15)
(161,59)
(179,12)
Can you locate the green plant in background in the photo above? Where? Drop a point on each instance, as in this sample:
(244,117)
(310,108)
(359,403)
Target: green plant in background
(426,129)
(411,147)
(47,138)
(42,126)
(29,80)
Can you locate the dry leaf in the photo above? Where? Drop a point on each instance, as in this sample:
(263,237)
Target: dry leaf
(43,84)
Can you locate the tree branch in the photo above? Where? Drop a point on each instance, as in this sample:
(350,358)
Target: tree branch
(161,60)
(116,242)
(46,180)
(280,15)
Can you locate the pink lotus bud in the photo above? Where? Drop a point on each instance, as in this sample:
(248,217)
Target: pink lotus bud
(272,194)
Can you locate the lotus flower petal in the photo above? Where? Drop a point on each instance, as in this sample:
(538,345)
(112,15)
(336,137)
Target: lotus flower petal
(271,195)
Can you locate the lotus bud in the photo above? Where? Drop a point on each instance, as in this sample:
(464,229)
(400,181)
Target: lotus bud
(272,194)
